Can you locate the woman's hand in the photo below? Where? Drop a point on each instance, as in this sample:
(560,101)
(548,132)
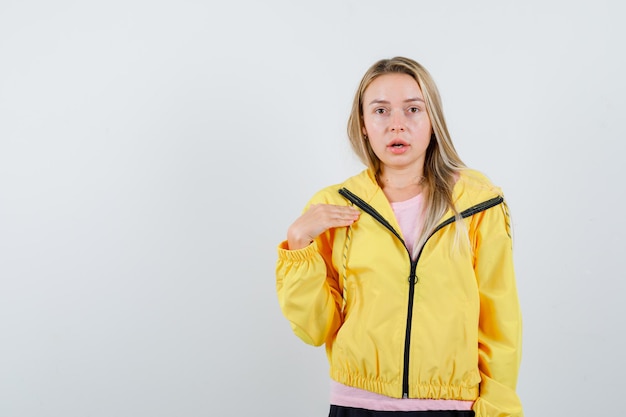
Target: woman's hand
(316,220)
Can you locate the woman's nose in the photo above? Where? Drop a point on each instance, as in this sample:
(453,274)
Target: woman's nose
(397,122)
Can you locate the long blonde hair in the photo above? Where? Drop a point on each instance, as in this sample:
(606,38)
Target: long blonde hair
(442,162)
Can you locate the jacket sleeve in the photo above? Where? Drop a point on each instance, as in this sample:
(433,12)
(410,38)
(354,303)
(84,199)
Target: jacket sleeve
(499,328)
(308,292)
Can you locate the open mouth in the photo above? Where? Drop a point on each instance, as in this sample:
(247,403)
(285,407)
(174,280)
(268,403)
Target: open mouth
(398,144)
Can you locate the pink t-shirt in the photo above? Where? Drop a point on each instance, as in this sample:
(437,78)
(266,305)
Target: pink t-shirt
(410,217)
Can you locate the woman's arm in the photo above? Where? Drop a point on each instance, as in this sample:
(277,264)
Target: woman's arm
(500,323)
(306,282)
(308,292)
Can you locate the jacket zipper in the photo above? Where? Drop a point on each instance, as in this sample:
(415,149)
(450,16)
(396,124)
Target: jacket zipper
(412,275)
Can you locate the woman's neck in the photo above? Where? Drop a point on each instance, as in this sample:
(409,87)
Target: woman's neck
(401,186)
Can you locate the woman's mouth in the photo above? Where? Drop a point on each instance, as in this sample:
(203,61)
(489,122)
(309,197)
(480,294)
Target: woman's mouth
(398,147)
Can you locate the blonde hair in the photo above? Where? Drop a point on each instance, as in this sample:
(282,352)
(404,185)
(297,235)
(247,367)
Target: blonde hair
(442,163)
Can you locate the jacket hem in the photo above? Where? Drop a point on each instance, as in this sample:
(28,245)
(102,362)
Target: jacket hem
(423,390)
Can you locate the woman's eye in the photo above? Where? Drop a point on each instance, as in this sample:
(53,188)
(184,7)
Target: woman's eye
(379,111)
(413,109)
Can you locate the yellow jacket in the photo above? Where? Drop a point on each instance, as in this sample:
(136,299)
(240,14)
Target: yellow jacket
(446,326)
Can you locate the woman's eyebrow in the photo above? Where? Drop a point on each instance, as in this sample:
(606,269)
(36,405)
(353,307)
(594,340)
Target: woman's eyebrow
(408,100)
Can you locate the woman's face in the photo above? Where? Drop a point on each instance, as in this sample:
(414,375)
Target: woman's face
(396,122)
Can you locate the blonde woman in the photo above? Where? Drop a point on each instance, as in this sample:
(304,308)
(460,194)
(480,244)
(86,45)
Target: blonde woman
(405,271)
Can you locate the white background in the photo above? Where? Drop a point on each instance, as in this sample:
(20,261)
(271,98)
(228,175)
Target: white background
(153,154)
